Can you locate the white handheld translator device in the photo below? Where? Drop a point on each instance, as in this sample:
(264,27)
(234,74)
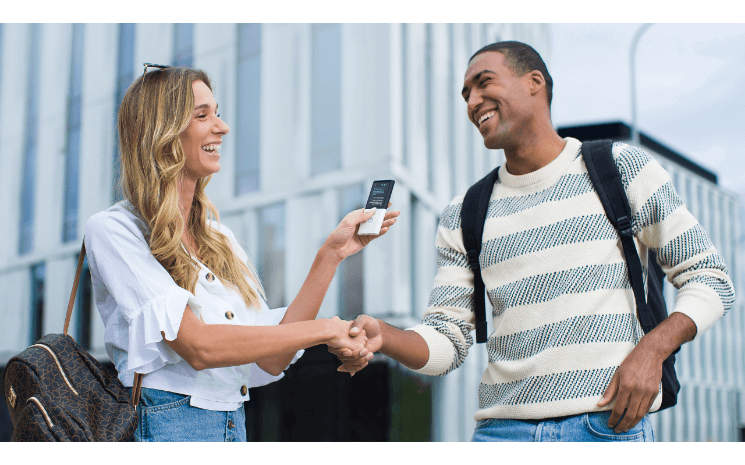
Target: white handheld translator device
(380,194)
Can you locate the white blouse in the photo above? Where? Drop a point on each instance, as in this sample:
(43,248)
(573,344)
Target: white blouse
(137,299)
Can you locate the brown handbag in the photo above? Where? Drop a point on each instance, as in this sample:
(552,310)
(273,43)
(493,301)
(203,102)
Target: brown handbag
(56,391)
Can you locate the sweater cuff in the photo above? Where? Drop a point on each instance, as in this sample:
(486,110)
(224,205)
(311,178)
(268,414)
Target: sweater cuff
(441,350)
(701,304)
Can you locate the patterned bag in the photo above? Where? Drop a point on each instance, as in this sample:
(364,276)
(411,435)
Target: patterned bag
(56,391)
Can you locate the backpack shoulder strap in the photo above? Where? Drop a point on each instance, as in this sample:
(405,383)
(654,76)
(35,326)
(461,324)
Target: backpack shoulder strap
(606,179)
(472,218)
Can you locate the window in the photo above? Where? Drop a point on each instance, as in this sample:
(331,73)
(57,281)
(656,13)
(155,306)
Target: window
(248,156)
(326,98)
(469,149)
(125,74)
(689,197)
(272,256)
(735,241)
(1,63)
(413,230)
(713,226)
(37,301)
(452,124)
(28,186)
(183,44)
(74,123)
(404,94)
(429,73)
(351,270)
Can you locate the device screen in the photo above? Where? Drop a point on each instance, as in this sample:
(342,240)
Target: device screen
(380,194)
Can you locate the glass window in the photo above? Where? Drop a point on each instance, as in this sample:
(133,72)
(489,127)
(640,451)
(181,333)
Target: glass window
(28,186)
(351,270)
(452,124)
(248,155)
(326,98)
(676,183)
(429,73)
(713,226)
(272,256)
(405,94)
(124,77)
(1,62)
(470,156)
(689,196)
(37,301)
(736,241)
(74,123)
(413,230)
(183,44)
(686,413)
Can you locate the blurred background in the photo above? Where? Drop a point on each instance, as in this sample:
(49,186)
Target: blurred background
(319,111)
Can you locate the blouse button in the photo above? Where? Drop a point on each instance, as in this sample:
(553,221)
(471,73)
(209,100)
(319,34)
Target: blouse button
(244,390)
(210,277)
(229,315)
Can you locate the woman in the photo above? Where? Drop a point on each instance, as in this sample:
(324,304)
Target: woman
(179,299)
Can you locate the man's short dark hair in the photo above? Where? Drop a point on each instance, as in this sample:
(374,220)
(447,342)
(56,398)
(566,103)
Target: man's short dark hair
(521,58)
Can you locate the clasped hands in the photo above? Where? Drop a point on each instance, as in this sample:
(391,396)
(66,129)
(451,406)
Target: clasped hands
(363,339)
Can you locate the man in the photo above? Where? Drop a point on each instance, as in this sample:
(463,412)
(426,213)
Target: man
(568,359)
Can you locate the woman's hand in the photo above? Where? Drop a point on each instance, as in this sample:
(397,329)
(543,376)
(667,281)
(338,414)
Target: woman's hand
(344,240)
(349,346)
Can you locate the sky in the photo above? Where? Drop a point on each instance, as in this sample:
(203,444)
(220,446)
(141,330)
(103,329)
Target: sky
(690,93)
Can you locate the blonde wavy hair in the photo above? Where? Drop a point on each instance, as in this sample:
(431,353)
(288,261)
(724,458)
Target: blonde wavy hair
(156,108)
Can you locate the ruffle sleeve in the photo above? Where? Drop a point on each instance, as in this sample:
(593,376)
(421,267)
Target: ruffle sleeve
(147,298)
(146,349)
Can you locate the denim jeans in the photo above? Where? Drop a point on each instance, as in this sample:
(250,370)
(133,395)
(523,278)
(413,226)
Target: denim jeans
(168,417)
(587,427)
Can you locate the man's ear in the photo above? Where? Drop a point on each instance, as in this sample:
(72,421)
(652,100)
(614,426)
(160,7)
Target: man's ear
(536,81)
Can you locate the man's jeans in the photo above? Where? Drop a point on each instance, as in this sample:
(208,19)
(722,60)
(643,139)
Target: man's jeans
(587,427)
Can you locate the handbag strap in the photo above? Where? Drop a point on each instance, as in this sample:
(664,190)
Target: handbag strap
(138,376)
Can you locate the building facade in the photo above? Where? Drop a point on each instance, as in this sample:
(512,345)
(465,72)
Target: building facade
(317,112)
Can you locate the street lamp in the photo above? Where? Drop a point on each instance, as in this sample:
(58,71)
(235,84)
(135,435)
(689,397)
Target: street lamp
(634,43)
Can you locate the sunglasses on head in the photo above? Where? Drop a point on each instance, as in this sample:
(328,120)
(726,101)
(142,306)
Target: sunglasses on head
(144,72)
(152,65)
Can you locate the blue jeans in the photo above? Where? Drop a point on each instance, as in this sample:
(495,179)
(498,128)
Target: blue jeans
(587,427)
(168,417)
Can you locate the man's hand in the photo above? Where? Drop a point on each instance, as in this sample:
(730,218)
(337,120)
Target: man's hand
(362,326)
(344,342)
(635,385)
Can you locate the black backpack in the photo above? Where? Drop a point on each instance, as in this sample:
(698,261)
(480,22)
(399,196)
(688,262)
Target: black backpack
(56,391)
(606,180)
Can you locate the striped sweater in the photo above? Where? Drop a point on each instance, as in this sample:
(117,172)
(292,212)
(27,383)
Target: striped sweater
(564,316)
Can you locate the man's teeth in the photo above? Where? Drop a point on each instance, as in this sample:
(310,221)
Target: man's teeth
(485,117)
(211,148)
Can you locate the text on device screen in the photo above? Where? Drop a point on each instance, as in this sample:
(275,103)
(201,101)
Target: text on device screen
(380,194)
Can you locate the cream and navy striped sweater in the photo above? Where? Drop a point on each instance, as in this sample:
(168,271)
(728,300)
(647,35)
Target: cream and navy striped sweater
(564,314)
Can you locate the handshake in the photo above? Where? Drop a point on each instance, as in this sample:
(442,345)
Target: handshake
(356,342)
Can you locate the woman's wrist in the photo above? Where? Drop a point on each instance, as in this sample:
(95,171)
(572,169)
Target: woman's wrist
(329,331)
(328,256)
